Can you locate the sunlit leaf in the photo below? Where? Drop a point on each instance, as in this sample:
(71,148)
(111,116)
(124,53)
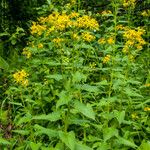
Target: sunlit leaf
(51,117)
(86,110)
(68,139)
(109,132)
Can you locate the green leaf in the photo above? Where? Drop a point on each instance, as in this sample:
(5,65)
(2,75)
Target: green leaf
(126,142)
(51,117)
(41,130)
(57,77)
(145,145)
(22,132)
(84,109)
(35,146)
(24,119)
(119,115)
(78,76)
(3,64)
(86,87)
(64,98)
(80,146)
(109,132)
(4,142)
(68,139)
(132,93)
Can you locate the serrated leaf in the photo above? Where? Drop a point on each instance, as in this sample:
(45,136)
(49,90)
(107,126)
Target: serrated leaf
(51,117)
(132,93)
(109,132)
(68,139)
(24,119)
(119,115)
(86,110)
(3,63)
(4,142)
(78,76)
(64,98)
(126,142)
(41,130)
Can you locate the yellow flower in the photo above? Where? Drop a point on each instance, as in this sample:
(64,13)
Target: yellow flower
(73,15)
(101,41)
(134,116)
(37,29)
(106,12)
(40,45)
(144,13)
(131,57)
(92,65)
(87,22)
(129,3)
(110,40)
(119,27)
(147,109)
(20,77)
(57,40)
(88,37)
(26,52)
(106,59)
(125,49)
(147,85)
(75,36)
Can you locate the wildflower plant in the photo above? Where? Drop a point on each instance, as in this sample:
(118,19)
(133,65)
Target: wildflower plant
(83,90)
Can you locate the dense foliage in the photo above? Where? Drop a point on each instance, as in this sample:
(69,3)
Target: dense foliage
(82,80)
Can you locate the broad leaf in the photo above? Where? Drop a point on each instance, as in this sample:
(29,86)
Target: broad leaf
(84,109)
(3,63)
(64,98)
(126,142)
(41,130)
(51,117)
(68,139)
(4,142)
(109,132)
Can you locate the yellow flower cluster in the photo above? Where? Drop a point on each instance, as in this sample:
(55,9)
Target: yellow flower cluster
(37,29)
(101,41)
(75,36)
(73,15)
(147,85)
(26,52)
(59,22)
(106,12)
(40,45)
(133,38)
(87,22)
(57,40)
(120,27)
(147,109)
(20,77)
(110,40)
(129,3)
(145,13)
(87,37)
(106,59)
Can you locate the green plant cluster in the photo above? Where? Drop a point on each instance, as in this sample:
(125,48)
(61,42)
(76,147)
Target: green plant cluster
(83,85)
